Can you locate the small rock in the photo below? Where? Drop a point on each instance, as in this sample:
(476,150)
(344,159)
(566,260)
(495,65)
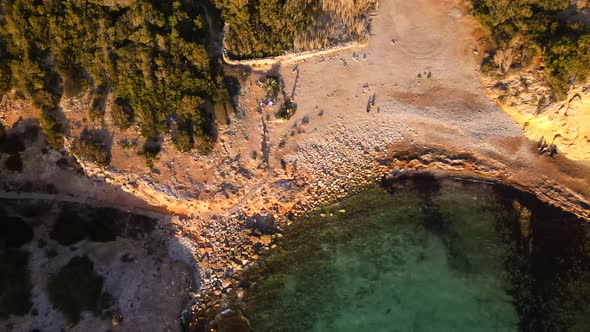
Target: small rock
(225,283)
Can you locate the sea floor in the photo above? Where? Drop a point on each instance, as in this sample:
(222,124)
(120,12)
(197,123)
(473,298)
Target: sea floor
(427,256)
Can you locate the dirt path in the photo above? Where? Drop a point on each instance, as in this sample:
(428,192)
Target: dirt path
(289,57)
(79,200)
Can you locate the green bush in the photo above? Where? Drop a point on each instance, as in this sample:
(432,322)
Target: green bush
(523,29)
(150,151)
(91,146)
(288,110)
(52,127)
(122,113)
(98,103)
(204,143)
(182,140)
(265,27)
(126,143)
(4,78)
(15,283)
(272,87)
(2,132)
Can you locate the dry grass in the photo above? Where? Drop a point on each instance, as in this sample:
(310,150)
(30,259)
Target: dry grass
(347,11)
(336,21)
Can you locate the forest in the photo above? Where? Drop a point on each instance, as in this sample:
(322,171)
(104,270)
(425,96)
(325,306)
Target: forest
(150,55)
(524,30)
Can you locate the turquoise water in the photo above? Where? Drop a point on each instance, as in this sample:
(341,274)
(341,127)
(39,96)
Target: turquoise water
(432,256)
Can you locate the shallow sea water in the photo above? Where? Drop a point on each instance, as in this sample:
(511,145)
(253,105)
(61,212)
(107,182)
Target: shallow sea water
(427,256)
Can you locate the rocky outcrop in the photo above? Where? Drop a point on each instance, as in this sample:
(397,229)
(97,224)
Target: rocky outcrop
(529,101)
(496,169)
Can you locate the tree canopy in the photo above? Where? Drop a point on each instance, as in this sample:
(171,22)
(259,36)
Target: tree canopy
(150,54)
(524,29)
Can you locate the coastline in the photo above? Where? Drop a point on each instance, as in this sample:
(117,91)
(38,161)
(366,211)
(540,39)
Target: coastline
(219,298)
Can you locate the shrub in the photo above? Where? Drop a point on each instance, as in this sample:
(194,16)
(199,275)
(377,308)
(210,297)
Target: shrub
(122,113)
(68,228)
(55,48)
(181,140)
(272,87)
(523,29)
(15,283)
(128,143)
(43,99)
(271,27)
(91,146)
(52,127)
(98,103)
(13,144)
(288,110)
(4,78)
(2,132)
(204,143)
(150,151)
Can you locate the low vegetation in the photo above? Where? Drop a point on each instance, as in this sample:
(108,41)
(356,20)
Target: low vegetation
(14,163)
(273,87)
(15,283)
(181,139)
(150,151)
(287,110)
(2,132)
(51,123)
(15,280)
(523,31)
(122,113)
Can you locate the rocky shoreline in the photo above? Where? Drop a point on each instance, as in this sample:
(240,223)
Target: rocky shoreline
(252,236)
(224,246)
(316,174)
